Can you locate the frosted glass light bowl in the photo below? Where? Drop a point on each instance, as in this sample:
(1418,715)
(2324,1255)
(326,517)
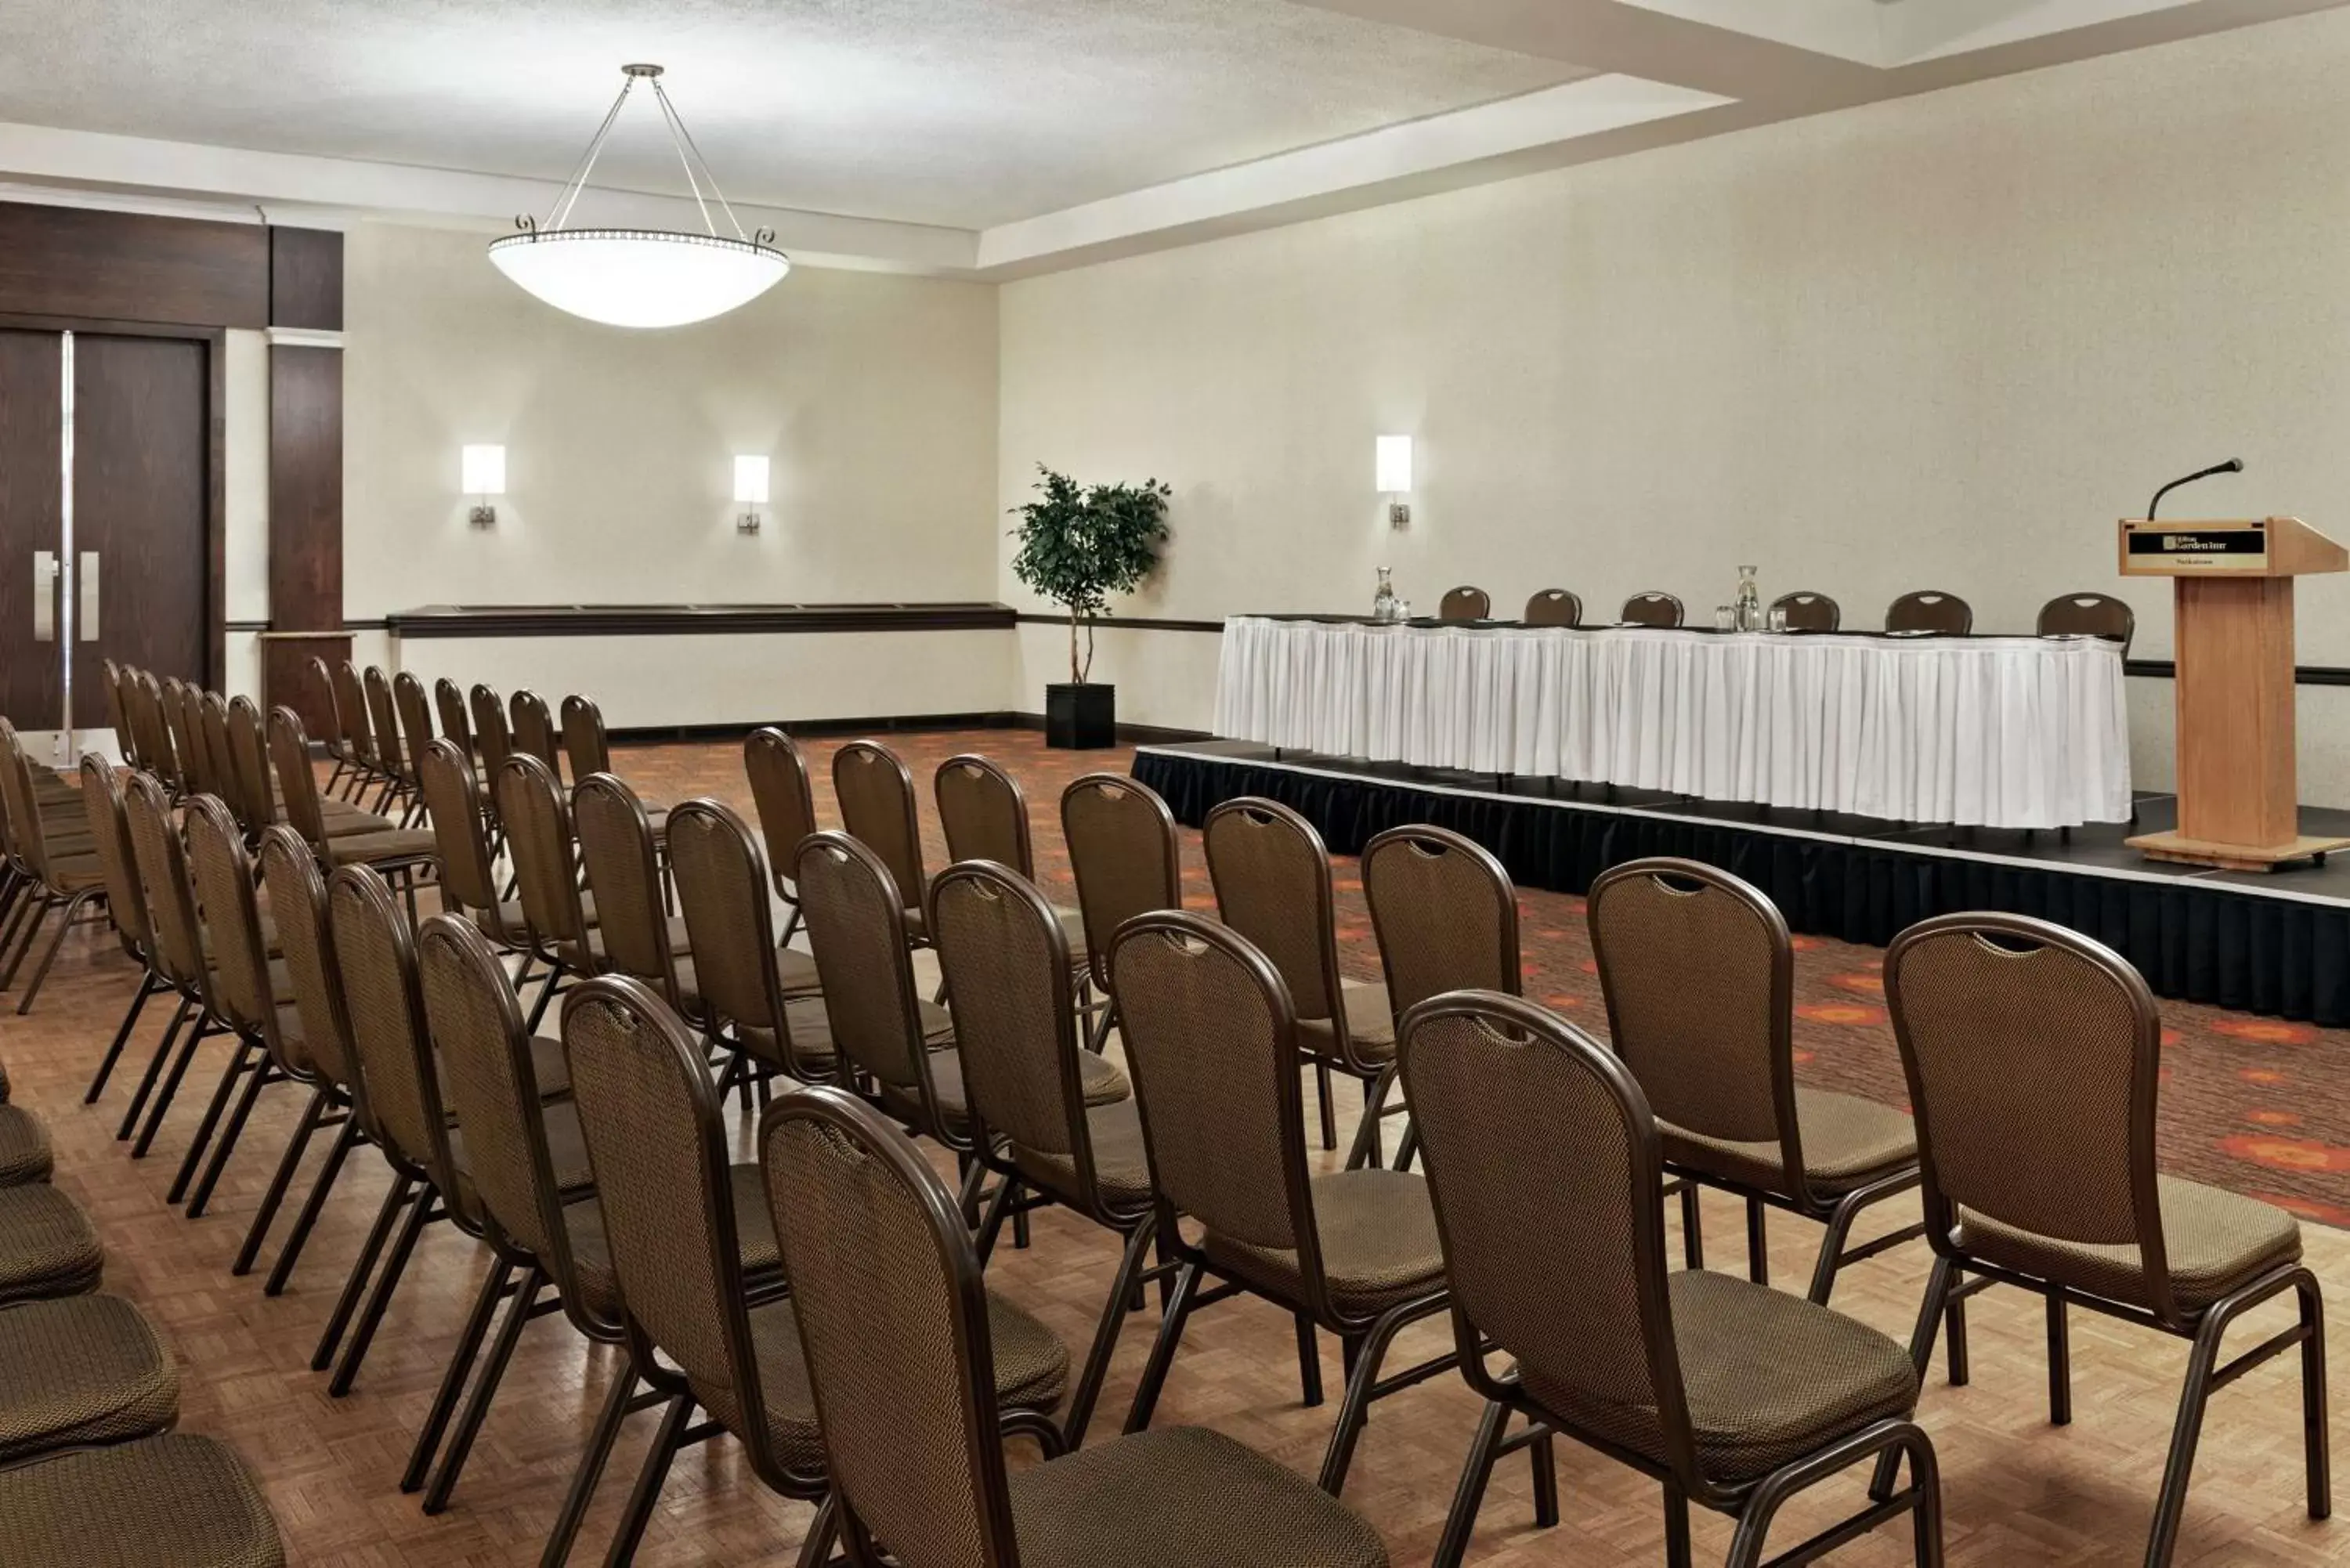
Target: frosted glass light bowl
(639,277)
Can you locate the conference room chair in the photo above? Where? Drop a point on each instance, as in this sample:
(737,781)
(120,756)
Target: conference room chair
(391,747)
(297,906)
(1214,1042)
(352,711)
(335,743)
(881,1029)
(1652,608)
(874,796)
(413,707)
(785,808)
(2089,615)
(1445,916)
(1545,1165)
(49,1248)
(1272,876)
(2033,1058)
(1005,953)
(553,1238)
(402,853)
(126,904)
(253,1000)
(83,1371)
(155,754)
(492,735)
(1554,606)
(1698,973)
(245,743)
(908,1359)
(456,721)
(1465,603)
(117,715)
(465,855)
(758,1000)
(620,863)
(672,1219)
(587,749)
(984,813)
(1807,611)
(195,773)
(1929,610)
(175,1501)
(375,950)
(542,840)
(160,858)
(24,1151)
(533,730)
(1127,861)
(47,837)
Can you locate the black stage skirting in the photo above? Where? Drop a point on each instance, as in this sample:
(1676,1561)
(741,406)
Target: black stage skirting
(2193,938)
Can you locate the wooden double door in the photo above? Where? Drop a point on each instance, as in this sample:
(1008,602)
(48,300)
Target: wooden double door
(108,489)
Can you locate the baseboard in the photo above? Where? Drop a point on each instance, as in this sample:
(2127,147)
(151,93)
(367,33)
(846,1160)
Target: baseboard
(1131,735)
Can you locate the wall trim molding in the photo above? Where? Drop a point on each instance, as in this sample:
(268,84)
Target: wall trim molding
(1131,735)
(1113,622)
(686,621)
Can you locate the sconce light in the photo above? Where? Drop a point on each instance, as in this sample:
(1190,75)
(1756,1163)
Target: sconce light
(751,490)
(1395,477)
(484,476)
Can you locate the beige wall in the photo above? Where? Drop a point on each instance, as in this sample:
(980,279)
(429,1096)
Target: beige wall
(874,395)
(1943,341)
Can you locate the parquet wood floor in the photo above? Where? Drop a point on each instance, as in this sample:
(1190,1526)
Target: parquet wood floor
(2018,1491)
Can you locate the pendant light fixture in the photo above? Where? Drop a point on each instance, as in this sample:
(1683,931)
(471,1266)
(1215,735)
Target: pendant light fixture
(643,277)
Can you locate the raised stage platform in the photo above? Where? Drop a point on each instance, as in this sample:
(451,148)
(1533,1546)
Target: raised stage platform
(2276,944)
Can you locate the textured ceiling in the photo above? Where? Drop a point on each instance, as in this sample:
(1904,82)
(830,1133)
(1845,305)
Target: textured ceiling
(959,113)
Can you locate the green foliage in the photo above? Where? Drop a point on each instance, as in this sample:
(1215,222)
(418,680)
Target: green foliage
(1080,544)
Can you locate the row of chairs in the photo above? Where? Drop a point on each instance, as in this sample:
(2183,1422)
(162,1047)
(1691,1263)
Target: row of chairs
(1926,610)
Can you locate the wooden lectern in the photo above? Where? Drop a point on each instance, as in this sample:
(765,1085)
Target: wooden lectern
(2238,806)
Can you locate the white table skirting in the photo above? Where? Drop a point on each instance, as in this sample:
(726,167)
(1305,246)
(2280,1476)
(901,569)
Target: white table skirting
(1990,731)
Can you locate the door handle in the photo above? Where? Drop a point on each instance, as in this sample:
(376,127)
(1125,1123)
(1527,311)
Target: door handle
(85,580)
(45,596)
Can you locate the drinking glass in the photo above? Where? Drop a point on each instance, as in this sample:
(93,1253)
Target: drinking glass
(1779,617)
(1725,617)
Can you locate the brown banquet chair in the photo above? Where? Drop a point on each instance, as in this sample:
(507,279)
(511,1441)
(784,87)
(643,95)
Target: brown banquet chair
(1929,611)
(456,719)
(1127,860)
(1807,611)
(1213,1042)
(391,747)
(1554,606)
(1465,603)
(126,905)
(905,1357)
(2033,1058)
(1698,973)
(1545,1163)
(1272,876)
(984,813)
(48,844)
(2089,615)
(673,1221)
(875,795)
(785,809)
(176,1500)
(1653,609)
(534,731)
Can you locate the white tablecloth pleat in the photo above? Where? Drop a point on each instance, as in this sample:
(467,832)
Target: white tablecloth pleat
(1991,732)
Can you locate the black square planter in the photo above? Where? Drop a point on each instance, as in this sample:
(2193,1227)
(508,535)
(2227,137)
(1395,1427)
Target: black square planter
(1080,718)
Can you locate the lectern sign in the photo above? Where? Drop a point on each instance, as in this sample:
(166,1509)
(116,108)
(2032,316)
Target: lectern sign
(2237,803)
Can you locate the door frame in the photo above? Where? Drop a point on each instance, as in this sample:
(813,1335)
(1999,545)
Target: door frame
(215,341)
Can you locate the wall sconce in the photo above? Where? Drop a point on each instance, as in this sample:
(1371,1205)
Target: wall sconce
(751,490)
(1395,478)
(484,476)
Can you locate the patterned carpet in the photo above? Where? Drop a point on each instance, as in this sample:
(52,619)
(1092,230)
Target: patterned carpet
(2255,1105)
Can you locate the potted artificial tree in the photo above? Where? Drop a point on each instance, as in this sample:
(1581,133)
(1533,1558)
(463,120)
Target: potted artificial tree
(1079,545)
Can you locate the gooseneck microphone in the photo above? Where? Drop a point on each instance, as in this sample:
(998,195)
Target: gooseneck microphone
(2233,466)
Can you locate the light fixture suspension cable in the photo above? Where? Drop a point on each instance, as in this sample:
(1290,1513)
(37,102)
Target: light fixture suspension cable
(685,144)
(579,180)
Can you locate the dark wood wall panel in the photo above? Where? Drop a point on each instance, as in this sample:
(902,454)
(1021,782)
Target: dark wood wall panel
(305,279)
(68,262)
(32,423)
(306,526)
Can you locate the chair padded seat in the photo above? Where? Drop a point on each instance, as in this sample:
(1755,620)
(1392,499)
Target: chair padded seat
(85,1369)
(1848,1142)
(1103,1082)
(796,972)
(73,872)
(48,1246)
(1379,1245)
(372,848)
(2214,1241)
(568,951)
(1121,1160)
(811,1029)
(24,1147)
(591,1255)
(1031,1369)
(1767,1377)
(177,1499)
(1178,1498)
(566,1155)
(1370,1025)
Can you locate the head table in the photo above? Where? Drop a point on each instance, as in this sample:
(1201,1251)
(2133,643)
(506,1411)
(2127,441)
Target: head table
(1988,732)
